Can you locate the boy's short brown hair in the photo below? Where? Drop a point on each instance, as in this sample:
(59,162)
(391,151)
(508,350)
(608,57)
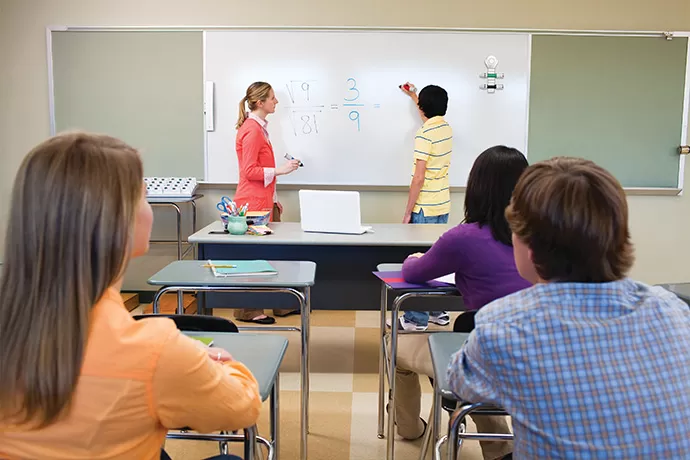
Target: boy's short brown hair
(573,215)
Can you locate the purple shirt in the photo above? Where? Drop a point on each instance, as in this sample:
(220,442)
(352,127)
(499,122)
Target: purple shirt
(484,268)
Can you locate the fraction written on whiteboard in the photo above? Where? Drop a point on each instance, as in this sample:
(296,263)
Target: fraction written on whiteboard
(306,112)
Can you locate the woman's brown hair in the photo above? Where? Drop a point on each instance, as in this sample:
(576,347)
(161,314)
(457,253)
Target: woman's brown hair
(68,239)
(257,91)
(573,215)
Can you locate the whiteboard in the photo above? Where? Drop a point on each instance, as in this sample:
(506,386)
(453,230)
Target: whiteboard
(340,109)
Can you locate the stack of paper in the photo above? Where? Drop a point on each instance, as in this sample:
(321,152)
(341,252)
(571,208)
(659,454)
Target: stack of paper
(449,279)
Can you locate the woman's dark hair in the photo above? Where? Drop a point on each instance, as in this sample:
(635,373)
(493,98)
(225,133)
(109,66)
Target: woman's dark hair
(492,179)
(433,101)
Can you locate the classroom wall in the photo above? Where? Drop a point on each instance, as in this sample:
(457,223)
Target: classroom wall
(658,223)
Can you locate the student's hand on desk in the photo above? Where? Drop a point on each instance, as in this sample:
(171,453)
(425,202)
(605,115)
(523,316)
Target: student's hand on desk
(416,255)
(287,167)
(407,218)
(218,354)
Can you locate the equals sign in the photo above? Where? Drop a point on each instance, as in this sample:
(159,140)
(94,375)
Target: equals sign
(334,106)
(377,106)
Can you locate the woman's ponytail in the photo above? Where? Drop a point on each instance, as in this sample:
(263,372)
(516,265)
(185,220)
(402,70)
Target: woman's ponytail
(243,113)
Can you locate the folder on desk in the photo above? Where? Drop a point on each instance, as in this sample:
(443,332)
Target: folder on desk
(225,268)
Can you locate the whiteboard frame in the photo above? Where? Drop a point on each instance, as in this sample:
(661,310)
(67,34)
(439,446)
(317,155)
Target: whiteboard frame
(654,191)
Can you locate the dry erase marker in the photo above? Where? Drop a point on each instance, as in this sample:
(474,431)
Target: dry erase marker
(290,157)
(408,87)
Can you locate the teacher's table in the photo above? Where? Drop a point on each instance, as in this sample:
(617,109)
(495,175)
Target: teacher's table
(344,262)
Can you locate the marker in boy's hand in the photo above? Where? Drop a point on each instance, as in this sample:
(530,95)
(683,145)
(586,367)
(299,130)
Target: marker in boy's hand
(408,87)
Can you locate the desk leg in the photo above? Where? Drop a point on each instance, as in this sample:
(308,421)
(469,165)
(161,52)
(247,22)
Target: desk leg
(304,419)
(382,360)
(250,442)
(178,220)
(275,418)
(436,422)
(454,434)
(155,303)
(194,226)
(390,442)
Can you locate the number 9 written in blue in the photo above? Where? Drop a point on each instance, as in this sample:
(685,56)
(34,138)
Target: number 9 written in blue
(354,116)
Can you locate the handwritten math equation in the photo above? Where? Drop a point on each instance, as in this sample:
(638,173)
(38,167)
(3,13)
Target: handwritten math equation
(306,114)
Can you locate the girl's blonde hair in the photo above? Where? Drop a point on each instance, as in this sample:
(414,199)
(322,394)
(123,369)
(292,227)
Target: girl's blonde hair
(257,91)
(68,239)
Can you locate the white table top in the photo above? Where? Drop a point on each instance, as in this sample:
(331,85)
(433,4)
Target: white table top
(161,199)
(291,233)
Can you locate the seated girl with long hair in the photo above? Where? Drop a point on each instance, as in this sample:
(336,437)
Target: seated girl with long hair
(479,252)
(79,377)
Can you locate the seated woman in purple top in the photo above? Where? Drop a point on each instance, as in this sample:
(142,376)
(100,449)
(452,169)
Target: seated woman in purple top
(479,251)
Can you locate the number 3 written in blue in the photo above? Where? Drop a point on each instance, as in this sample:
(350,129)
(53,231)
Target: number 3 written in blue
(353,88)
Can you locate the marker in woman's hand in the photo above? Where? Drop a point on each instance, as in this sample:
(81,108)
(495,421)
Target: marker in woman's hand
(290,158)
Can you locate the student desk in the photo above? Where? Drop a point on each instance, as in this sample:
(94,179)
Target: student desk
(682,290)
(294,277)
(442,346)
(393,283)
(343,280)
(262,354)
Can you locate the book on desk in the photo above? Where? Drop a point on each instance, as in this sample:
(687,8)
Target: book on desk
(227,268)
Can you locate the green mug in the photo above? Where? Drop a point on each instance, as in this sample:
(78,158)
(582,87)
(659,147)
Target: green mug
(237,225)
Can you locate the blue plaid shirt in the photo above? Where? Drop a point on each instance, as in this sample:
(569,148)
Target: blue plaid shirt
(587,371)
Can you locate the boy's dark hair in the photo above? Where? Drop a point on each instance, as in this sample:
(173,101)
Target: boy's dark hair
(489,187)
(573,215)
(433,101)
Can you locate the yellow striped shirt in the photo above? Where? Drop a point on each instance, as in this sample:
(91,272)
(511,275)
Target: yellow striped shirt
(433,143)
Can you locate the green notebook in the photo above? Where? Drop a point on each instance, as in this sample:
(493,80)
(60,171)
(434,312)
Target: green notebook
(208,341)
(224,268)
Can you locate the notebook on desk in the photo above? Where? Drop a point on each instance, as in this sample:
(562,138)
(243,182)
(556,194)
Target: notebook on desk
(226,268)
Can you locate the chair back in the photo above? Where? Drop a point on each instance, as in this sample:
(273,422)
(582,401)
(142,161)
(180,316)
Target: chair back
(199,323)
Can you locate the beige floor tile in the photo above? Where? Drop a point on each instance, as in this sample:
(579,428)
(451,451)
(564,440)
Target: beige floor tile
(331,349)
(368,319)
(366,383)
(369,383)
(366,349)
(318,381)
(333,318)
(329,427)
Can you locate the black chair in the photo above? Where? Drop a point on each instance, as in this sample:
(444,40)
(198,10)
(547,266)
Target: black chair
(198,323)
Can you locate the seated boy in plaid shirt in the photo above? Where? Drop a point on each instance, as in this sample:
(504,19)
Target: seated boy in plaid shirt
(589,363)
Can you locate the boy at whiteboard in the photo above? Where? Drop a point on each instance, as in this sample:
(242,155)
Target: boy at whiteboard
(428,201)
(429,197)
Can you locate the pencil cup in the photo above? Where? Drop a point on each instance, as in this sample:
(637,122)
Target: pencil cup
(224,219)
(237,225)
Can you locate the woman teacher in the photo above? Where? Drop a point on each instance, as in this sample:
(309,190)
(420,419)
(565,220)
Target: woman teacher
(257,169)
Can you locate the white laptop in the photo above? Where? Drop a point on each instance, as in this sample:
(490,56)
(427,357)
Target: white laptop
(327,211)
